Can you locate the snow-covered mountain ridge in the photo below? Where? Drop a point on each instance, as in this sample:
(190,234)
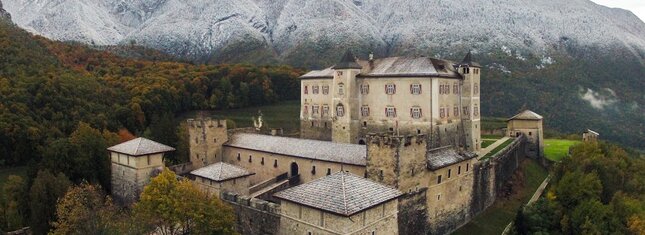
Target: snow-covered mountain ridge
(200,29)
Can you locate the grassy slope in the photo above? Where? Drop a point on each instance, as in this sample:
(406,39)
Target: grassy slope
(486,143)
(498,148)
(494,219)
(556,149)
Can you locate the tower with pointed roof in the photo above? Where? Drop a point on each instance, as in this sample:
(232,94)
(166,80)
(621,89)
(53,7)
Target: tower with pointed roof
(345,125)
(133,165)
(470,101)
(529,124)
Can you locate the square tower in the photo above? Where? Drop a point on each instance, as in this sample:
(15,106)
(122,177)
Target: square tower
(470,101)
(206,137)
(133,165)
(345,124)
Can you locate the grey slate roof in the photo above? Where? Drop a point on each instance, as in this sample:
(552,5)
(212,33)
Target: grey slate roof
(221,172)
(445,156)
(348,62)
(396,67)
(353,154)
(468,60)
(140,146)
(592,132)
(526,115)
(340,193)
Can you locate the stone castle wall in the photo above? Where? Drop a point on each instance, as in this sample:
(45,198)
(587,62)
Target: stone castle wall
(205,142)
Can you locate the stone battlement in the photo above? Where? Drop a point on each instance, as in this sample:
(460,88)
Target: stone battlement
(252,203)
(206,122)
(383,139)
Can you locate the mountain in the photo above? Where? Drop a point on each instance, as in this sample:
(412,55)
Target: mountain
(4,14)
(579,64)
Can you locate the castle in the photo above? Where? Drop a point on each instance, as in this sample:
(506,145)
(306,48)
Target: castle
(374,157)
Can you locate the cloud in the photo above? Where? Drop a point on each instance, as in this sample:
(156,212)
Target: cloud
(598,100)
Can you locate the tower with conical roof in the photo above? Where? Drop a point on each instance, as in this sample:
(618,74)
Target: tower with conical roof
(470,101)
(133,165)
(345,125)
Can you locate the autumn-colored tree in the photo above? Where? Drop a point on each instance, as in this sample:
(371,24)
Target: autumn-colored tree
(125,135)
(172,206)
(43,195)
(86,210)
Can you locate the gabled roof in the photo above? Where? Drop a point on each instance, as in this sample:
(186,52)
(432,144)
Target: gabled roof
(341,193)
(445,156)
(468,60)
(592,132)
(353,154)
(526,115)
(348,62)
(221,172)
(140,146)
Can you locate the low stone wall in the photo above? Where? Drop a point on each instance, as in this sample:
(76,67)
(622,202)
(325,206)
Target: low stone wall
(182,169)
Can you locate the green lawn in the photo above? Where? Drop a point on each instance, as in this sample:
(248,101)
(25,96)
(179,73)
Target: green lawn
(486,143)
(556,149)
(498,148)
(6,172)
(284,115)
(491,137)
(494,219)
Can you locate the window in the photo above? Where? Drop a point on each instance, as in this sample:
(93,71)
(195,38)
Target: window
(262,161)
(439,179)
(442,112)
(449,171)
(476,89)
(325,110)
(440,89)
(415,112)
(466,112)
(314,89)
(340,110)
(438,197)
(250,158)
(456,111)
(476,111)
(275,163)
(340,73)
(305,110)
(365,111)
(476,71)
(365,89)
(459,170)
(238,156)
(447,86)
(530,133)
(315,109)
(325,89)
(147,158)
(390,89)
(328,171)
(415,89)
(313,170)
(306,90)
(341,89)
(390,112)
(455,88)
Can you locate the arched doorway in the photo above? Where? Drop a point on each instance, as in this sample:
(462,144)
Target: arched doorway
(294,169)
(361,142)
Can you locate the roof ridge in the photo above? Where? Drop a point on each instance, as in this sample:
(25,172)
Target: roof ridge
(342,182)
(136,150)
(221,168)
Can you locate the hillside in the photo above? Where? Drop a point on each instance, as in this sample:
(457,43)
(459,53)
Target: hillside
(48,88)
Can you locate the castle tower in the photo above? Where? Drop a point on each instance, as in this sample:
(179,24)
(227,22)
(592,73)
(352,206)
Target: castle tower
(206,137)
(528,123)
(345,124)
(470,105)
(133,164)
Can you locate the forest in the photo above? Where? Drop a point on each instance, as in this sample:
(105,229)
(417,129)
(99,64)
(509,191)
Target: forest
(63,104)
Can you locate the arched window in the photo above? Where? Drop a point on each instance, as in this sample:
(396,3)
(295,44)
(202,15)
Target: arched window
(340,110)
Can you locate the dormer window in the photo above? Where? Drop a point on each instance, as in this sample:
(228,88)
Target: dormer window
(390,89)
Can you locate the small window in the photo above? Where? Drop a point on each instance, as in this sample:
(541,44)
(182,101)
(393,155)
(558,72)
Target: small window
(238,156)
(315,109)
(449,171)
(530,133)
(459,170)
(325,89)
(467,165)
(305,110)
(439,179)
(341,89)
(365,89)
(315,89)
(325,110)
(328,171)
(476,89)
(313,170)
(262,161)
(147,158)
(340,110)
(365,111)
(275,163)
(250,158)
(438,197)
(340,73)
(415,112)
(415,89)
(442,112)
(455,88)
(390,89)
(306,90)
(390,112)
(455,111)
(466,112)
(214,140)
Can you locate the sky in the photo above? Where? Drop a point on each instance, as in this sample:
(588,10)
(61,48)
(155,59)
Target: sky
(635,6)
